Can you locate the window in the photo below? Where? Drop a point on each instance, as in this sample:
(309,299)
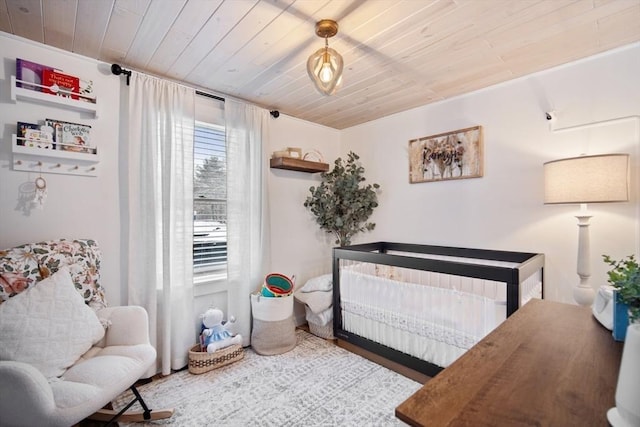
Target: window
(210,203)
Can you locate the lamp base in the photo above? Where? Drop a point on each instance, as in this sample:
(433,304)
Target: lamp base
(584,295)
(616,420)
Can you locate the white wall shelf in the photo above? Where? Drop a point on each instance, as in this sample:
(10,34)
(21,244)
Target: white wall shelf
(20,93)
(45,160)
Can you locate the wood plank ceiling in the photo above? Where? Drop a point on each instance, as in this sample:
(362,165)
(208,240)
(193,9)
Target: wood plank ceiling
(398,54)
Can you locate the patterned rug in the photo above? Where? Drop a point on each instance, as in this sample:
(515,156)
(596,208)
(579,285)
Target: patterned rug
(315,384)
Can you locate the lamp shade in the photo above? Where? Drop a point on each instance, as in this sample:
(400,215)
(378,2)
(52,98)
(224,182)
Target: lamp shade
(325,70)
(587,179)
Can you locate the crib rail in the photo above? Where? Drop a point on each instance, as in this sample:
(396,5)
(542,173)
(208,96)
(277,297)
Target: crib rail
(519,274)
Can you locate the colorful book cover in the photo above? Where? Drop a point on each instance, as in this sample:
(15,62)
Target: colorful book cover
(60,84)
(56,125)
(31,72)
(33,135)
(72,136)
(22,130)
(76,137)
(38,138)
(86,91)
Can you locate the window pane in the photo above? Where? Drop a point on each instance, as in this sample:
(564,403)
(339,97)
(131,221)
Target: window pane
(209,205)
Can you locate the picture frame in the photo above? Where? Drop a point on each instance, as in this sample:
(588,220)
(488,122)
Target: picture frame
(447,156)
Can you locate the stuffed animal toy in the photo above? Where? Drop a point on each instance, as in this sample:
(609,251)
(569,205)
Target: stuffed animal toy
(215,334)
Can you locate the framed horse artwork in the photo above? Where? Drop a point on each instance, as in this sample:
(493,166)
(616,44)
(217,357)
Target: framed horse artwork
(450,155)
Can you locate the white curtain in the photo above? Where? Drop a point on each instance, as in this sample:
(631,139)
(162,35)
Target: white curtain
(247,208)
(160,186)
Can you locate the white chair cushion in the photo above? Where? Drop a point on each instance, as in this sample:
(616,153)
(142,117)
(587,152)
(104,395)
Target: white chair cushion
(48,326)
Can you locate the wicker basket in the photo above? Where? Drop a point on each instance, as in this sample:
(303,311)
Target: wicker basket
(322,331)
(325,331)
(201,361)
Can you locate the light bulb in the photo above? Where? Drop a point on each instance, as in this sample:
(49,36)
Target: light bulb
(326,73)
(325,70)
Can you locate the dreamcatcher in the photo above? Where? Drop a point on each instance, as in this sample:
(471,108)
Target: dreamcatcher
(40,193)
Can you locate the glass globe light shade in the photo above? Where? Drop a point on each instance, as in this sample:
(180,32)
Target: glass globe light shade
(325,70)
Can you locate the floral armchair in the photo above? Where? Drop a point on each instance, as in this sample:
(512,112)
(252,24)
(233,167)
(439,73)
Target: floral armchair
(64,355)
(23,266)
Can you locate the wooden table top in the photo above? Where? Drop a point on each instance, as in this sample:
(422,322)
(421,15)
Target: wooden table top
(549,364)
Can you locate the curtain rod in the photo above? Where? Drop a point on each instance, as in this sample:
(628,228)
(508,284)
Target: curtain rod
(274,113)
(209,95)
(117,70)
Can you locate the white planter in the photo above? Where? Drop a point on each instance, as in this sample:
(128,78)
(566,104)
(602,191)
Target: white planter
(627,411)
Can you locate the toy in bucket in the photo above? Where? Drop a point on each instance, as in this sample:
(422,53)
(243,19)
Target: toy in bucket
(277,285)
(274,330)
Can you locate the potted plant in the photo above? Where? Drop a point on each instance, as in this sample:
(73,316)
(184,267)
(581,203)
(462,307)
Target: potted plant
(341,204)
(624,276)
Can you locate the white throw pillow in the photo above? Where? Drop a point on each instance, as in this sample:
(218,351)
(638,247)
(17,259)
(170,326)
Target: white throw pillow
(321,283)
(48,326)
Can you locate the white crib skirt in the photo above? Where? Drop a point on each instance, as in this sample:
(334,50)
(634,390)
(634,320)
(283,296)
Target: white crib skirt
(436,324)
(432,350)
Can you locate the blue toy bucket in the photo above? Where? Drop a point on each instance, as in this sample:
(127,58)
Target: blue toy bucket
(276,285)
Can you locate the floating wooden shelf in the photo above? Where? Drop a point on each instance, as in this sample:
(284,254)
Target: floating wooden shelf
(298,165)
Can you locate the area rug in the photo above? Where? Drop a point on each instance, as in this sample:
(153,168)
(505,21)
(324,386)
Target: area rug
(315,384)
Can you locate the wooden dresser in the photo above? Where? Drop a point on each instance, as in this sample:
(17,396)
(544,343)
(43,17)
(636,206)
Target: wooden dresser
(549,364)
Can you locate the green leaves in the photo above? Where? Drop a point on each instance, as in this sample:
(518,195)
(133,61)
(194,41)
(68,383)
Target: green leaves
(625,277)
(340,204)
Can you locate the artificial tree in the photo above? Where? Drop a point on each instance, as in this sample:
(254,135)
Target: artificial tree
(341,204)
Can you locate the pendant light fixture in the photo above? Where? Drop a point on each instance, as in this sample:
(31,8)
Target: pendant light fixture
(325,65)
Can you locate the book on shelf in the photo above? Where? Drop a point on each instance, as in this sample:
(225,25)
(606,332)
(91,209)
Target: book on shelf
(86,91)
(34,135)
(70,136)
(44,77)
(22,128)
(60,84)
(30,72)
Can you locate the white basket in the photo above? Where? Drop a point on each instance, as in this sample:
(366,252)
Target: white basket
(271,309)
(273,330)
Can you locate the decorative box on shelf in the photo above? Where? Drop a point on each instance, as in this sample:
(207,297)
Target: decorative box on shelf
(48,160)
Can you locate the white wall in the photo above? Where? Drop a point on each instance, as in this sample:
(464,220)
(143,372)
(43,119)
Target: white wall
(504,209)
(298,247)
(76,206)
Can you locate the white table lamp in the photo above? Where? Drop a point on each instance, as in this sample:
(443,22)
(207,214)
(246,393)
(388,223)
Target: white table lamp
(581,180)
